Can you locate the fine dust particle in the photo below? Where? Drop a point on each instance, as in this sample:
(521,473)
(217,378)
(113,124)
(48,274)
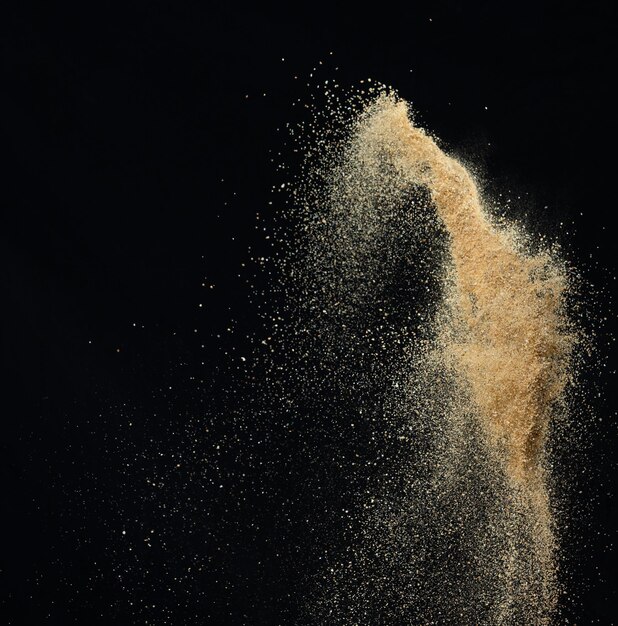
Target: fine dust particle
(446,330)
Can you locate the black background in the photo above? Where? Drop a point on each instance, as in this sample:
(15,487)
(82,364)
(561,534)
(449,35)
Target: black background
(137,147)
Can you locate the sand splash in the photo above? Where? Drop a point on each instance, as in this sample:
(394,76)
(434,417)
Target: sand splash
(459,529)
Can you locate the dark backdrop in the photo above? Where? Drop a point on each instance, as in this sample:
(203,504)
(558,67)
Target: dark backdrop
(137,143)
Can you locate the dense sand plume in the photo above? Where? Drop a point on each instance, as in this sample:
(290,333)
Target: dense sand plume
(508,338)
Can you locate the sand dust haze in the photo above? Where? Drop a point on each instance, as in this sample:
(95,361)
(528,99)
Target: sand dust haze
(466,373)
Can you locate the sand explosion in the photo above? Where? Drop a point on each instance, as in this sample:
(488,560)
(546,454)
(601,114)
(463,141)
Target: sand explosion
(459,528)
